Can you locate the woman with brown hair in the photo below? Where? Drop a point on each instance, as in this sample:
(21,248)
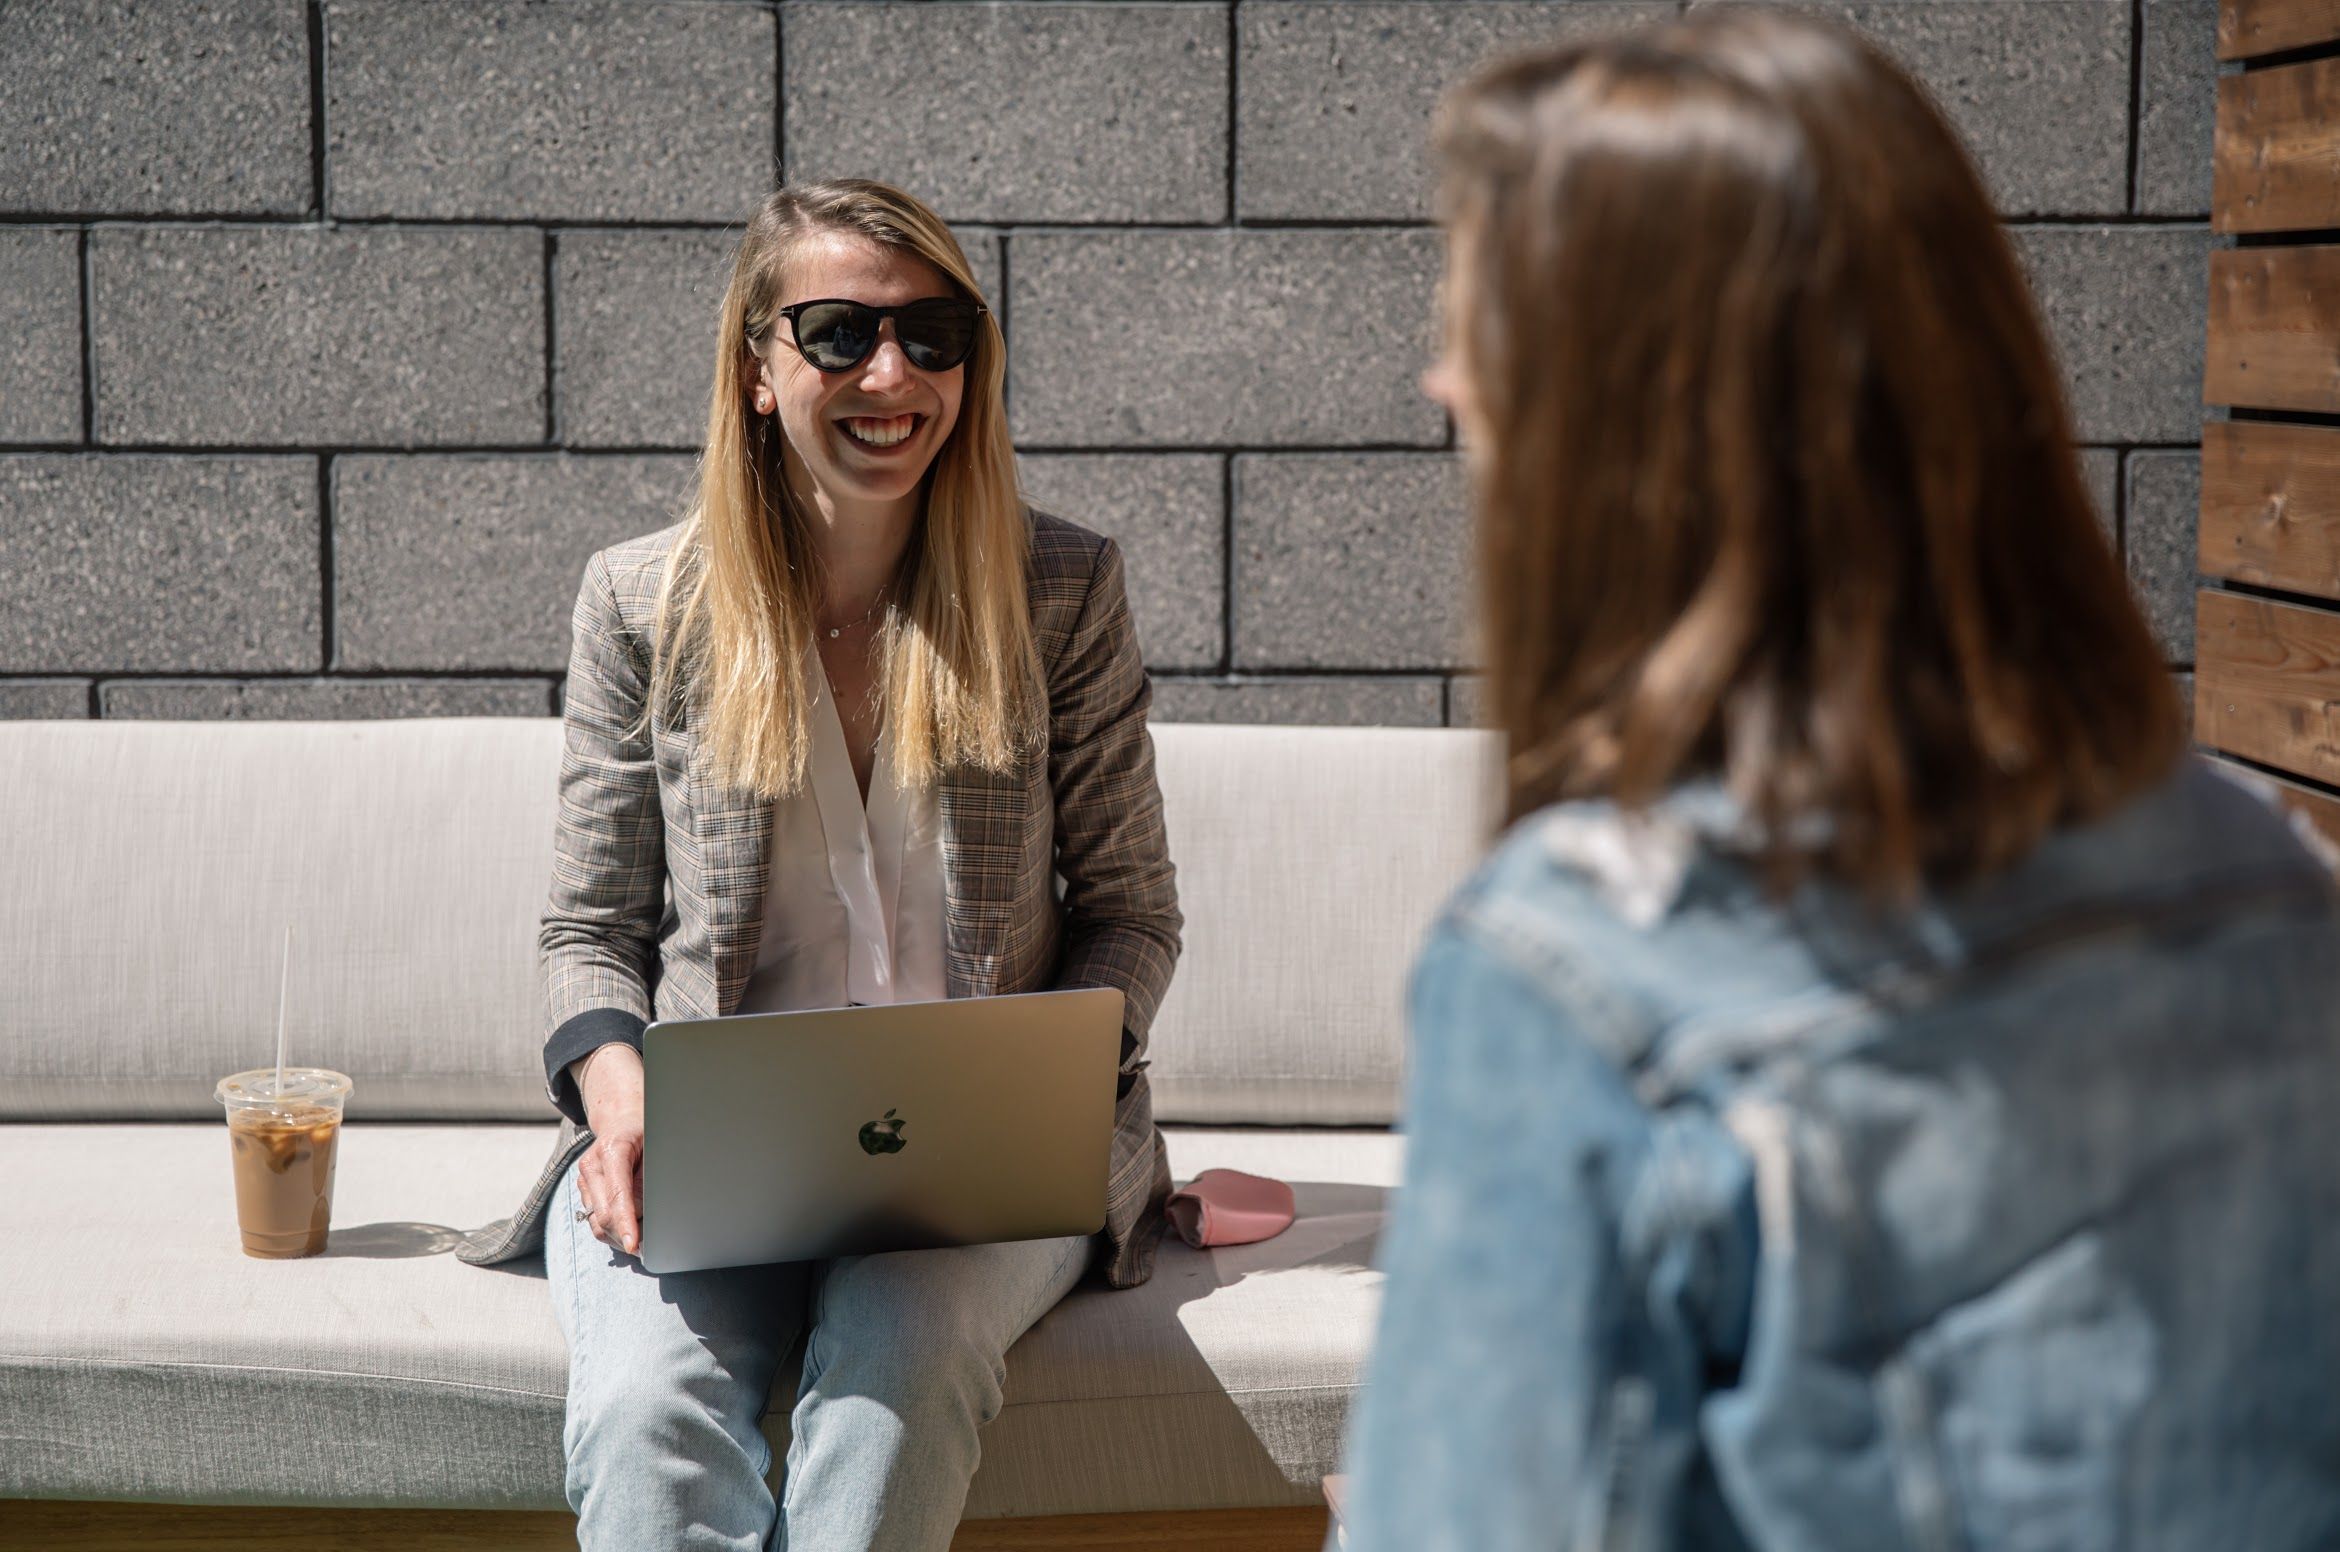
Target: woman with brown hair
(829,741)
(1879,1091)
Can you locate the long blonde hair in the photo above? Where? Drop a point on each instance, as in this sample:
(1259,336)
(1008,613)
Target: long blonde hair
(739,593)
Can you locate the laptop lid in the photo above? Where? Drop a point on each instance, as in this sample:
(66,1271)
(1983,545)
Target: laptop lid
(895,1126)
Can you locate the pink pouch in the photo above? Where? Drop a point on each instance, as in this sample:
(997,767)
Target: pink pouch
(1229,1207)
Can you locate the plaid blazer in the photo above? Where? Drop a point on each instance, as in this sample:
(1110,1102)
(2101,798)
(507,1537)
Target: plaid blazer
(656,908)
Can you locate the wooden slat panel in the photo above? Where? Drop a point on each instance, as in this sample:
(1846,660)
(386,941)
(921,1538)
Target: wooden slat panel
(68,1525)
(2319,809)
(2274,328)
(2277,166)
(2247,28)
(1204,1530)
(2271,505)
(44,1525)
(2267,682)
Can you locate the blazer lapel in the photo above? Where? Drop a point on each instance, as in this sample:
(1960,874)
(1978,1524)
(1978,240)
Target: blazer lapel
(979,875)
(734,832)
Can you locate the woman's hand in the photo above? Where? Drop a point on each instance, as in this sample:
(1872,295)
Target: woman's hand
(609,1173)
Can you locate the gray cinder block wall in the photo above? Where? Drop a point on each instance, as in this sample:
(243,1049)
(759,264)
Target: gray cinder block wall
(337,333)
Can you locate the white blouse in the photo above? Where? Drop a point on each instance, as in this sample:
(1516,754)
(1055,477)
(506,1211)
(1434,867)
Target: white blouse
(853,907)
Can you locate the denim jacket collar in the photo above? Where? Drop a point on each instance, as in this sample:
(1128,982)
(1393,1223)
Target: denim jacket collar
(1637,859)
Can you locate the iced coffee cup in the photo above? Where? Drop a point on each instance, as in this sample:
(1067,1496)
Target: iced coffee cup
(282,1141)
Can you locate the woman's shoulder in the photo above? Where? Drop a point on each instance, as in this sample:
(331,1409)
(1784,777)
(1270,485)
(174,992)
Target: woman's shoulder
(1061,549)
(1591,858)
(1613,913)
(1064,569)
(633,567)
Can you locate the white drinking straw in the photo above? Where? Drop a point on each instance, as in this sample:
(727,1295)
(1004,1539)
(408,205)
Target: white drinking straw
(283,982)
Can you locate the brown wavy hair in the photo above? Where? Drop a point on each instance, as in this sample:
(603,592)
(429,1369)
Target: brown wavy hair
(1774,476)
(739,594)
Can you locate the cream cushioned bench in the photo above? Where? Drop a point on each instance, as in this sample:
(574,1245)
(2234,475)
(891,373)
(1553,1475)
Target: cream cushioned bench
(152,868)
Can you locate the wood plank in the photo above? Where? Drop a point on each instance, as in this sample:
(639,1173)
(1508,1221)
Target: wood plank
(1336,1496)
(71,1526)
(2274,328)
(2319,809)
(2249,28)
(2271,505)
(1214,1530)
(2276,166)
(60,1525)
(2267,682)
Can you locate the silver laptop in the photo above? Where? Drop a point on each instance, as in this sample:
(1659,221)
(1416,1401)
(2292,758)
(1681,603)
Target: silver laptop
(894,1126)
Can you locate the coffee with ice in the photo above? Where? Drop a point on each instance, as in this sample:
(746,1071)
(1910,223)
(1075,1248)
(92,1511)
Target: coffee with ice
(282,1141)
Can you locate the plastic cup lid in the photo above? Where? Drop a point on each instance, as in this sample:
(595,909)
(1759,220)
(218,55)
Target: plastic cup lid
(313,1085)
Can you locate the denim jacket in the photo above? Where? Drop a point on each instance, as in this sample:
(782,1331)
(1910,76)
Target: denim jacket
(2013,1222)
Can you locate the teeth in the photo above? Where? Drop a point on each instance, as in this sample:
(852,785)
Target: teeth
(880,432)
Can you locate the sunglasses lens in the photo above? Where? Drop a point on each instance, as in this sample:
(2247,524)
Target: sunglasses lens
(937,335)
(834,335)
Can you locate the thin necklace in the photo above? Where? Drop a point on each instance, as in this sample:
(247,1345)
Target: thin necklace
(839,630)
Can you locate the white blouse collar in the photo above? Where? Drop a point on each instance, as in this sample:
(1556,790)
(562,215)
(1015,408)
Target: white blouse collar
(864,844)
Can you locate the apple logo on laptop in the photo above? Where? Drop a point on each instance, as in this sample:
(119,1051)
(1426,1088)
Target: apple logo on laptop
(883,1136)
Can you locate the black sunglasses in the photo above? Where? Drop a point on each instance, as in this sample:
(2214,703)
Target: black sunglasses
(834,334)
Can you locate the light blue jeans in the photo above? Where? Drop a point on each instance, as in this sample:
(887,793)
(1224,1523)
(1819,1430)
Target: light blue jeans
(669,1375)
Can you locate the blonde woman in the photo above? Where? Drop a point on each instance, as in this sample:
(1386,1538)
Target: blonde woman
(829,738)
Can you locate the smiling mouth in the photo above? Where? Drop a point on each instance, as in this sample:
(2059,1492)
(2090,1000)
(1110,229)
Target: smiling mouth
(882,430)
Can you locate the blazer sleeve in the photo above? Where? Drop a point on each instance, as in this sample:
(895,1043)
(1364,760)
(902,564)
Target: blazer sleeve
(1121,897)
(598,940)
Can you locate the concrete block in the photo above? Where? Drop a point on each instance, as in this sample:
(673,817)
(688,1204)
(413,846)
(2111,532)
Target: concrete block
(1351,560)
(44,700)
(1358,701)
(634,325)
(1167,513)
(474,561)
(2177,107)
(40,333)
(1016,112)
(2165,504)
(324,700)
(2128,309)
(127,563)
(1335,100)
(298,335)
(1252,338)
(2100,468)
(1466,700)
(580,112)
(118,109)
(2038,89)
